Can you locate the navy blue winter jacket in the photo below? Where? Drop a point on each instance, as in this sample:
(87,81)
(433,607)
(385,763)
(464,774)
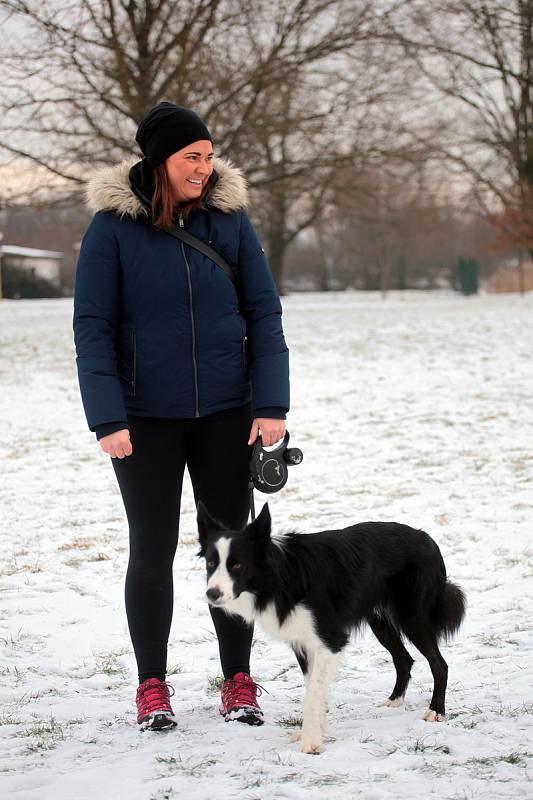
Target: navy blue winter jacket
(160,330)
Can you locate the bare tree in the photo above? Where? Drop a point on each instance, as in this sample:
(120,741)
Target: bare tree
(478,56)
(80,75)
(327,114)
(390,228)
(289,87)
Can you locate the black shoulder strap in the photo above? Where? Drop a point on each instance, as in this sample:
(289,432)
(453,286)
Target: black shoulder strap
(204,248)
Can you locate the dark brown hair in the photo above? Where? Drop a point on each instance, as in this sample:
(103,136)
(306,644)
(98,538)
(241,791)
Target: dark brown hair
(163,203)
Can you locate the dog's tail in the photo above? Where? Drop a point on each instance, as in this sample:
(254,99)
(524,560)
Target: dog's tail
(449,610)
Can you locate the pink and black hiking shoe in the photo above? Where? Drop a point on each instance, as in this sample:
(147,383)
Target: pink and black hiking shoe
(239,700)
(154,711)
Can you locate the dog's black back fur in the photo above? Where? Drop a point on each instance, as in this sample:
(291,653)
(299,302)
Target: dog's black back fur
(350,575)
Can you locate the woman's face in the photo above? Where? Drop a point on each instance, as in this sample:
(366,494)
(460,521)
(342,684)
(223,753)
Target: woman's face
(189,170)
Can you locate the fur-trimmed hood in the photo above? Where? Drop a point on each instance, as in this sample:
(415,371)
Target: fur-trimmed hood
(109,190)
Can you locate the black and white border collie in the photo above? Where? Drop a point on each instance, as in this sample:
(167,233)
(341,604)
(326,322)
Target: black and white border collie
(312,590)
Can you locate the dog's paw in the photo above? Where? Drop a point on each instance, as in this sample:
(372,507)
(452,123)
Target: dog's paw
(432,716)
(388,703)
(312,748)
(295,737)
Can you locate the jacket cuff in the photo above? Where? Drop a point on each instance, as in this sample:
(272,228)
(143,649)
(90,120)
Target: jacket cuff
(109,427)
(273,412)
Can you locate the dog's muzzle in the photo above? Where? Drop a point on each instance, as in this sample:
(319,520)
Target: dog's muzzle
(213,594)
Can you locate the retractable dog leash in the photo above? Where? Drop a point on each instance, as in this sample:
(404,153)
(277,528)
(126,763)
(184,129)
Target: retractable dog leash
(268,468)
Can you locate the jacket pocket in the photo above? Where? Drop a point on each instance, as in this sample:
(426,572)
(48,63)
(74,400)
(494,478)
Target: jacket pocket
(127,360)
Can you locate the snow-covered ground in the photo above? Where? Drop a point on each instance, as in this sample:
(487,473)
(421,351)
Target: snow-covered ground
(418,409)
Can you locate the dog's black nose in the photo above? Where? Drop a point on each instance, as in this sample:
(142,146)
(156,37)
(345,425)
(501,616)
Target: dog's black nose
(213,594)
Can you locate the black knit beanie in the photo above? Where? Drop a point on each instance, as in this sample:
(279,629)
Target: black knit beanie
(167,128)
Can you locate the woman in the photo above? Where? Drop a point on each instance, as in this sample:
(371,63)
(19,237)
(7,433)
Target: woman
(178,366)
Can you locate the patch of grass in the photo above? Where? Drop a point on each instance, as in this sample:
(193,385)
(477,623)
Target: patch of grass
(74,562)
(420,746)
(14,640)
(29,697)
(187,766)
(100,557)
(517,758)
(489,640)
(257,779)
(517,711)
(175,669)
(109,663)
(214,683)
(15,567)
(281,761)
(43,727)
(282,672)
(78,544)
(163,794)
(18,673)
(289,777)
(463,794)
(468,724)
(380,777)
(9,719)
(45,734)
(290,722)
(117,720)
(511,561)
(332,779)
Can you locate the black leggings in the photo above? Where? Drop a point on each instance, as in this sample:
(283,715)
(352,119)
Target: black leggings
(216,453)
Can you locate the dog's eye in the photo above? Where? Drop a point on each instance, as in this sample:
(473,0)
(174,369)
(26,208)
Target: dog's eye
(236,567)
(211,565)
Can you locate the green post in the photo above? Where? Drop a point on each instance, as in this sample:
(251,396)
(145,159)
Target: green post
(468,275)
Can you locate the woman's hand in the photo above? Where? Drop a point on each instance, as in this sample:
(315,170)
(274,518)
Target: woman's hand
(117,444)
(272,430)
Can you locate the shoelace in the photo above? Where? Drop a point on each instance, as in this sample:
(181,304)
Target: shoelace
(154,697)
(242,692)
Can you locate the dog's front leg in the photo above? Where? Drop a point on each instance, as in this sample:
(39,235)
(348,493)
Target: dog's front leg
(305,660)
(330,672)
(322,670)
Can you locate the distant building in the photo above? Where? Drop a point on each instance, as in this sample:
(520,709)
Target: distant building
(512,276)
(28,272)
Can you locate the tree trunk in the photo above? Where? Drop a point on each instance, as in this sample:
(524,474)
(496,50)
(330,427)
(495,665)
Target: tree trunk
(276,234)
(276,255)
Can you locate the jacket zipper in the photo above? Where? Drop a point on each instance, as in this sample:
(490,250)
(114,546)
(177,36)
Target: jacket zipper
(244,340)
(134,347)
(191,311)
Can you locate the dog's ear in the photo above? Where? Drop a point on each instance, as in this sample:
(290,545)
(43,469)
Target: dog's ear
(206,525)
(260,528)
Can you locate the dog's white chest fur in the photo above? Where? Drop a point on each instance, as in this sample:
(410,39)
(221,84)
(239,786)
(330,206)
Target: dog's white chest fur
(298,628)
